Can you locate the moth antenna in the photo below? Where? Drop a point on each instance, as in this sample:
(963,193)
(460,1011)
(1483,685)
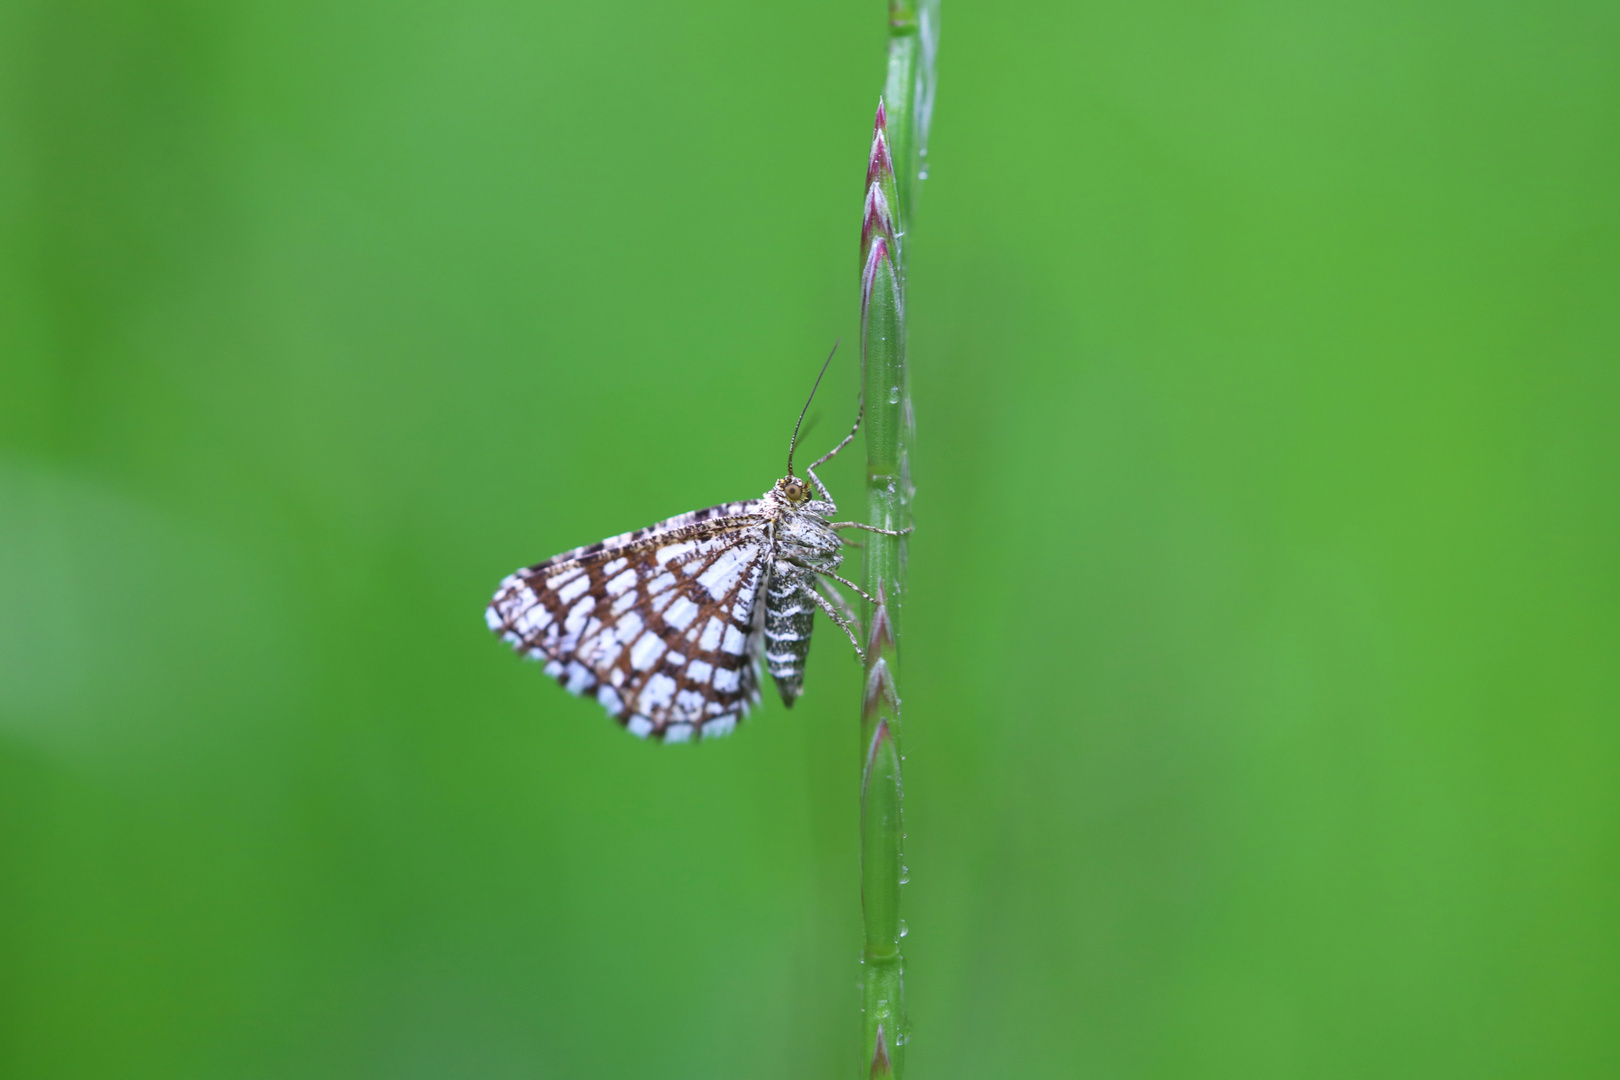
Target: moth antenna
(795,440)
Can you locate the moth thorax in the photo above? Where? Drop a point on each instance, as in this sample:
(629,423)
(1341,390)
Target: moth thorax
(809,532)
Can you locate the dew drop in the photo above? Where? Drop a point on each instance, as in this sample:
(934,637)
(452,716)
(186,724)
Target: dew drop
(904,929)
(905,875)
(894,395)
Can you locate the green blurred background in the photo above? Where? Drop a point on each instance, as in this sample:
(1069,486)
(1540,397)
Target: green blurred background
(1262,672)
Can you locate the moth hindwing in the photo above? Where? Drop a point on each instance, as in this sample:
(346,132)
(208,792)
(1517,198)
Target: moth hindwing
(665,626)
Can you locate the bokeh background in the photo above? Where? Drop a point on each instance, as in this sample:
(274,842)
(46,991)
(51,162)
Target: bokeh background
(1261,668)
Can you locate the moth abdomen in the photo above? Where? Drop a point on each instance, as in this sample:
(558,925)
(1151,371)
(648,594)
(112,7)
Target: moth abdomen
(789,620)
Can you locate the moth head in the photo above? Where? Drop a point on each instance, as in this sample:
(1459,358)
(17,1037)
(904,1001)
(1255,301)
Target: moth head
(794,490)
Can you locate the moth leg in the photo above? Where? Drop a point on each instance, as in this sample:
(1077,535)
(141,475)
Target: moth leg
(841,580)
(832,613)
(824,458)
(907,531)
(839,602)
(851,584)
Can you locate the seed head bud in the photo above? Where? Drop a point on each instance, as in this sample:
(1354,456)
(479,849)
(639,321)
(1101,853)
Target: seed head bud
(881,207)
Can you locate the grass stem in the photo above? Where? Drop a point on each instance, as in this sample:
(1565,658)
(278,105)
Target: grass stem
(894,174)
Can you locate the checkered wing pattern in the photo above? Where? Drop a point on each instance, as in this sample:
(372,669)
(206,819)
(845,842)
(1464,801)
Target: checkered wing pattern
(661,625)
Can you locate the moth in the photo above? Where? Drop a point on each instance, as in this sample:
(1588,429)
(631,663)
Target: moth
(666,626)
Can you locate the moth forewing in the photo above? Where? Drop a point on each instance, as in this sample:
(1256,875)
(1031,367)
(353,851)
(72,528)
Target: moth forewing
(658,625)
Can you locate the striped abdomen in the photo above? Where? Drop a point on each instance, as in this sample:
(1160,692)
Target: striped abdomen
(789,617)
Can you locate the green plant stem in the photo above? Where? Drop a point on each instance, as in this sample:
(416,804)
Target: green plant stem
(887,506)
(908,97)
(894,175)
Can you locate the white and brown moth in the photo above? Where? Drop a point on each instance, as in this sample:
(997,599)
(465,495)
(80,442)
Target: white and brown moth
(665,626)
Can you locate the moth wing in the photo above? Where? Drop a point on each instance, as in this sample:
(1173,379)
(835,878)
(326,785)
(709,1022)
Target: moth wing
(660,625)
